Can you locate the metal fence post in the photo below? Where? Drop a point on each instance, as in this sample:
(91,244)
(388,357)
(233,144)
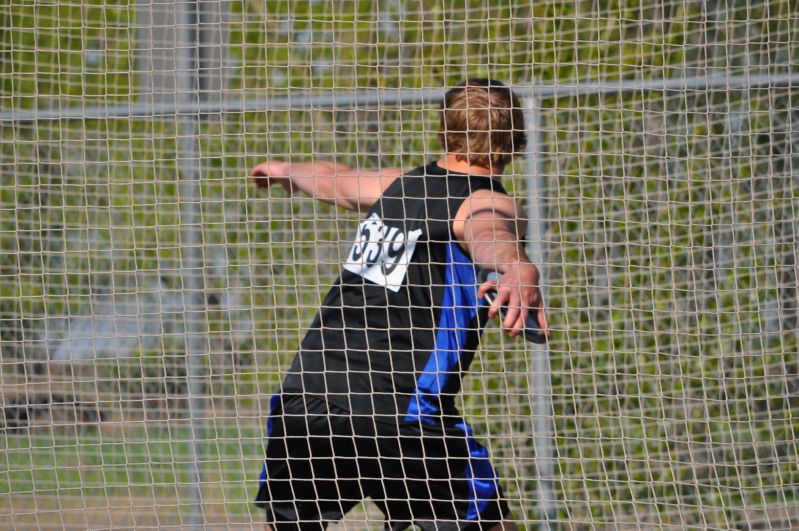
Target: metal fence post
(191,267)
(543,432)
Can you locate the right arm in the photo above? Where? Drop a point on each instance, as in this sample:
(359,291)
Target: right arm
(490,226)
(327,181)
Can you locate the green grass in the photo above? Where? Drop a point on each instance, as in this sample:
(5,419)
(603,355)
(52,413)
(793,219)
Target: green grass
(137,462)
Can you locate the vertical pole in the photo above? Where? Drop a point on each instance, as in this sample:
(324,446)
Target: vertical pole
(191,245)
(541,386)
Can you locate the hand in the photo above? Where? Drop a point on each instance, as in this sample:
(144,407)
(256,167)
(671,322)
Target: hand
(268,173)
(517,290)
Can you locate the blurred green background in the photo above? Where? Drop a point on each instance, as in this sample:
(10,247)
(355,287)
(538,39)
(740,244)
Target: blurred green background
(670,271)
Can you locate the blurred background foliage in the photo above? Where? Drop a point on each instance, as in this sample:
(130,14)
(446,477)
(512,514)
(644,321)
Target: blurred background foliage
(671,239)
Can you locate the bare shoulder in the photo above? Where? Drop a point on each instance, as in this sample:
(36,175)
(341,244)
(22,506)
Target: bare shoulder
(392,173)
(359,189)
(486,210)
(486,203)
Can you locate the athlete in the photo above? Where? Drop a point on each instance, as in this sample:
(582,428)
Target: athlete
(367,408)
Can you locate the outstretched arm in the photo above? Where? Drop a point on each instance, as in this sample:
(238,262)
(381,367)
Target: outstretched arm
(490,227)
(327,181)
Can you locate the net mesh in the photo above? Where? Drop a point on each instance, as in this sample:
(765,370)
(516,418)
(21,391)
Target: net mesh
(152,299)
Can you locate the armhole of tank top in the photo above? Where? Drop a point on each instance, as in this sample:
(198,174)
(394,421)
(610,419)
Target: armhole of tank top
(488,185)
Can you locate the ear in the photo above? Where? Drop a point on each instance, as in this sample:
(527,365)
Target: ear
(442,139)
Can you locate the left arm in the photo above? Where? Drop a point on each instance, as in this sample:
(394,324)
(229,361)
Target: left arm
(489,226)
(327,181)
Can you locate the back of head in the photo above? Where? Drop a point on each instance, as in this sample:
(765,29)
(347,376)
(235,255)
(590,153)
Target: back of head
(482,123)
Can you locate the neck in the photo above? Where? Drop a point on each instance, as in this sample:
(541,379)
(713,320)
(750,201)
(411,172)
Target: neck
(450,162)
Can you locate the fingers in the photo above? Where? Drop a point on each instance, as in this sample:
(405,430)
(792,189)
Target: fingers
(261,170)
(542,320)
(485,287)
(508,300)
(260,175)
(521,322)
(515,304)
(514,320)
(260,181)
(483,290)
(269,173)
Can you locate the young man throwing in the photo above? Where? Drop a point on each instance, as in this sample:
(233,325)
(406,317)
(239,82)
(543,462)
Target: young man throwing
(367,408)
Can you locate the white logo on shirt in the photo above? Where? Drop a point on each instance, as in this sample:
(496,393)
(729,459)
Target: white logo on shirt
(381,254)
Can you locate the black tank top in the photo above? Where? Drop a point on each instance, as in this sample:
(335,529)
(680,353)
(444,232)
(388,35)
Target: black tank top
(400,326)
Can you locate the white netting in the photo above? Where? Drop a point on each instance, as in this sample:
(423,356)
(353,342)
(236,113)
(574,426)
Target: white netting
(151,297)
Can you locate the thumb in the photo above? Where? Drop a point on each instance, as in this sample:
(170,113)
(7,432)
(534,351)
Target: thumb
(485,287)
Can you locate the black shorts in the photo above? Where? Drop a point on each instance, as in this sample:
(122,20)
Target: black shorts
(321,461)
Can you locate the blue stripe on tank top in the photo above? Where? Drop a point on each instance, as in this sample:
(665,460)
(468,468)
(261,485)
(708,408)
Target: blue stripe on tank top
(458,309)
(480,475)
(273,403)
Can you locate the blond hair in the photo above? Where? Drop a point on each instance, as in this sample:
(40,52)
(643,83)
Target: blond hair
(482,123)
